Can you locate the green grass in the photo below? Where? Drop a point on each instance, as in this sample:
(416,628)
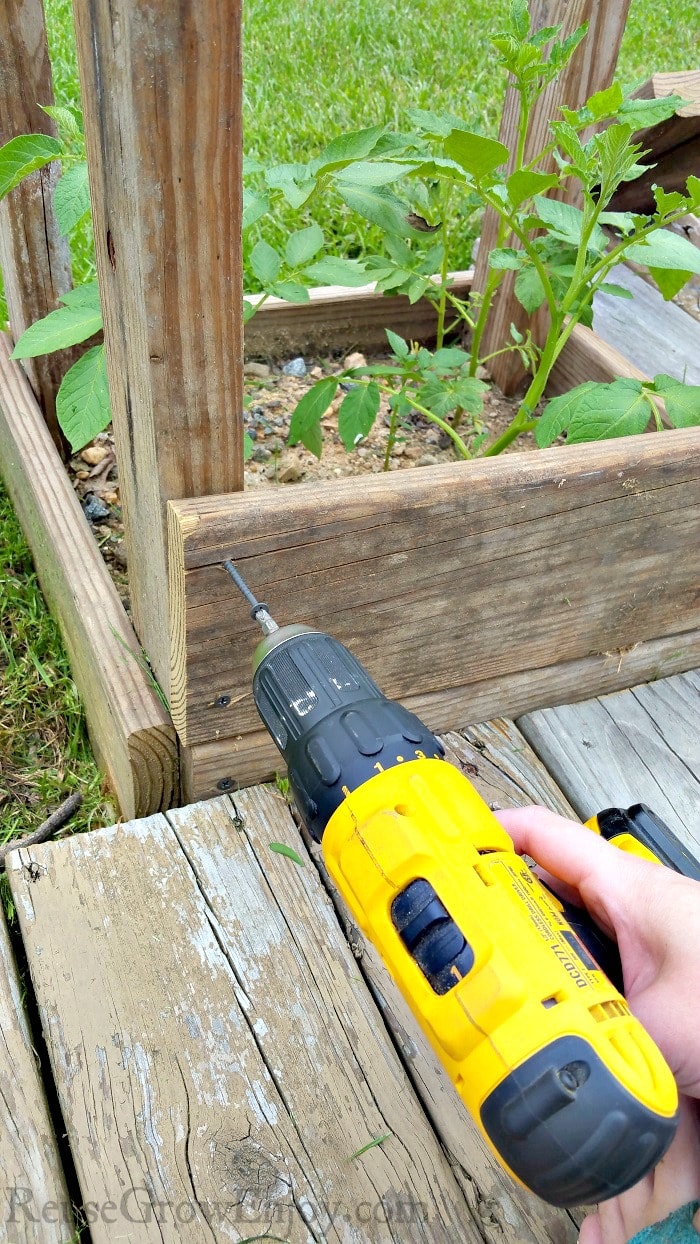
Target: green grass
(311,71)
(44,751)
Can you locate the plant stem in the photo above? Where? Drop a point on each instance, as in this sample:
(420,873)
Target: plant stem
(392,436)
(428,414)
(444,268)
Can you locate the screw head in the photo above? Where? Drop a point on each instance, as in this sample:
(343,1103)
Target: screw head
(224,784)
(222,701)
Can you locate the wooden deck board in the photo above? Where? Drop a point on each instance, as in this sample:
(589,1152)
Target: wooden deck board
(656,336)
(636,746)
(214,1046)
(35,1203)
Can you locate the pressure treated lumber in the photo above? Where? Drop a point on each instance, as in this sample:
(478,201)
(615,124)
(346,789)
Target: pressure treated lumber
(655,335)
(35,1204)
(639,746)
(587,356)
(34,258)
(214,1046)
(443,578)
(164,152)
(245,759)
(591,69)
(342,319)
(673,147)
(131,732)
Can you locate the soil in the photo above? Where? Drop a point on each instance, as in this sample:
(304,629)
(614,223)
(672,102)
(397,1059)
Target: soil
(271,397)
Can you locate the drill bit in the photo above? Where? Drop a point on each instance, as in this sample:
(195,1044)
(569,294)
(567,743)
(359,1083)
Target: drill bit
(258,611)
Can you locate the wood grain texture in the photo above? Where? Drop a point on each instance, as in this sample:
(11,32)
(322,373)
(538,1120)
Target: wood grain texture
(654,335)
(34,258)
(215,1048)
(497,760)
(164,150)
(639,746)
(591,69)
(474,572)
(253,757)
(131,733)
(343,319)
(35,1204)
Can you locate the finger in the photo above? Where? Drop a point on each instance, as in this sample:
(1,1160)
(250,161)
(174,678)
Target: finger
(607,879)
(591,1231)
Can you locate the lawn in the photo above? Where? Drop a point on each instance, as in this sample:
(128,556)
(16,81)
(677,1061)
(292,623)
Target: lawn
(311,71)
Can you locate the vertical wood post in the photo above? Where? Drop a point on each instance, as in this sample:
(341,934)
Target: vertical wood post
(162,102)
(591,69)
(35,259)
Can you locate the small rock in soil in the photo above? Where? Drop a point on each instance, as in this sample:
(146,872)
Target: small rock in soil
(260,370)
(119,553)
(262,454)
(295,367)
(94,454)
(426,460)
(110,498)
(356,359)
(291,473)
(94,509)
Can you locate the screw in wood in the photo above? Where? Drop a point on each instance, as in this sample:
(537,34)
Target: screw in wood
(224,784)
(222,701)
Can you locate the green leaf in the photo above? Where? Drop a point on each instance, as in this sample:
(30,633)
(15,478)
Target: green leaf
(251,166)
(281,849)
(248,446)
(682,401)
(626,222)
(558,414)
(24,154)
(617,157)
(290,291)
(566,222)
(504,257)
(526,183)
(357,413)
(379,206)
(72,197)
(449,357)
(82,402)
(308,414)
(663,249)
(378,1140)
(529,289)
(605,103)
(398,345)
(254,206)
(666,203)
(85,295)
(296,182)
(617,291)
(356,145)
(520,19)
(669,282)
(64,327)
(69,120)
(436,124)
(265,262)
(609,410)
(441,396)
(303,245)
(375,173)
(641,113)
(334,271)
(476,154)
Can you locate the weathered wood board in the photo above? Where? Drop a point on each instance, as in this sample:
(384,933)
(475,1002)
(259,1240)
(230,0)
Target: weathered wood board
(217,1055)
(166,194)
(130,730)
(590,69)
(33,1195)
(342,319)
(672,147)
(638,746)
(655,335)
(443,579)
(245,759)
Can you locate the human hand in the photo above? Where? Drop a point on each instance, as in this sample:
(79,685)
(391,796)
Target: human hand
(654,914)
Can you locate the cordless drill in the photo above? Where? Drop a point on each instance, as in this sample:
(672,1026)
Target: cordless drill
(568,1089)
